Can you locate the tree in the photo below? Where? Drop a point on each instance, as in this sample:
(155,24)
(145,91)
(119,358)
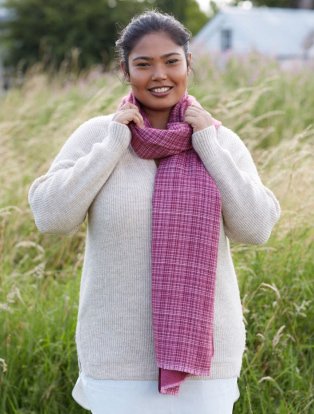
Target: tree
(49,30)
(186,11)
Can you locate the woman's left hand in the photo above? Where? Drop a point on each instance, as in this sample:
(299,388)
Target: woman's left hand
(198,118)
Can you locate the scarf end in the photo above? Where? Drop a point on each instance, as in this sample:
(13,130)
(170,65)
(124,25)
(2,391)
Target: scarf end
(169,381)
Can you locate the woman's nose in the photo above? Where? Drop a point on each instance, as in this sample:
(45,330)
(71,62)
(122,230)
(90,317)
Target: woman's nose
(159,73)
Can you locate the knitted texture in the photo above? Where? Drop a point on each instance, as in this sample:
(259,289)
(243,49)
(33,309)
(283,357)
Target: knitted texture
(185,234)
(97,177)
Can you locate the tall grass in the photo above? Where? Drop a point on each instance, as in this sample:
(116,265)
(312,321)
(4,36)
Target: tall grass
(272,111)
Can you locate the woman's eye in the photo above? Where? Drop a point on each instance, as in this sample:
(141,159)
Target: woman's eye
(142,64)
(171,61)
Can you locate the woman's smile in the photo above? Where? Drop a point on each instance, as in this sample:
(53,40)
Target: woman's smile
(161,91)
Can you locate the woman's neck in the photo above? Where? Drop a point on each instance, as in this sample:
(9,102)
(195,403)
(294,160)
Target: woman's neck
(158,119)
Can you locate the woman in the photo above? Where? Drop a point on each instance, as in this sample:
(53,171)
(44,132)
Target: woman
(164,186)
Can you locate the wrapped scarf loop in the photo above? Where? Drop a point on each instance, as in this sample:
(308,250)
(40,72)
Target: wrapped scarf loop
(186,212)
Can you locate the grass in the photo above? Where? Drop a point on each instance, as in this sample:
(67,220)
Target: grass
(272,110)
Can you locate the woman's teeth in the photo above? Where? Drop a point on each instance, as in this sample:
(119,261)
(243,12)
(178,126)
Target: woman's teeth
(161,90)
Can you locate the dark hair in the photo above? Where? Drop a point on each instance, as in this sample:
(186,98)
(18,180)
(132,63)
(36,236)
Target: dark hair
(150,22)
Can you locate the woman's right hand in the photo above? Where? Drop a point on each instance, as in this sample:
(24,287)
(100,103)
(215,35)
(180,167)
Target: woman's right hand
(129,113)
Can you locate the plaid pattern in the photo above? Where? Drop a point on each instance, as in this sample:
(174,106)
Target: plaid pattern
(186,211)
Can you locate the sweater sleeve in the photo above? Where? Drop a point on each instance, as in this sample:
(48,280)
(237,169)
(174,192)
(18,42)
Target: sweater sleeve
(61,198)
(250,210)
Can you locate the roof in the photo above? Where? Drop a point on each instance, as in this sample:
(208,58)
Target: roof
(268,30)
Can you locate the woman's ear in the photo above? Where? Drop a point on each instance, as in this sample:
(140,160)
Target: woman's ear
(189,62)
(124,70)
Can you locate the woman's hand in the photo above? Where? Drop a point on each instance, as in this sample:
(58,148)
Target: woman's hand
(198,118)
(129,113)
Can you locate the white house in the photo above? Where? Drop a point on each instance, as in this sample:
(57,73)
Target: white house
(285,34)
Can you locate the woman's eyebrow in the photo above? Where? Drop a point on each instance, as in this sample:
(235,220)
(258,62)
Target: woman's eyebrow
(150,58)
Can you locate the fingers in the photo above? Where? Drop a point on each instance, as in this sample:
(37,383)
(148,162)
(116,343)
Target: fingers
(197,117)
(138,120)
(195,109)
(128,105)
(129,113)
(137,117)
(132,114)
(196,104)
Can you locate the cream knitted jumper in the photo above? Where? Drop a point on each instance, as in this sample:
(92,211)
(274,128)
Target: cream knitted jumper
(97,173)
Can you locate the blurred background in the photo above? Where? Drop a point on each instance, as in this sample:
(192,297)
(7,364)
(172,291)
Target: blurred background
(83,34)
(253,70)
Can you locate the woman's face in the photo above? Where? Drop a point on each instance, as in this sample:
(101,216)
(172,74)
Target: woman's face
(158,71)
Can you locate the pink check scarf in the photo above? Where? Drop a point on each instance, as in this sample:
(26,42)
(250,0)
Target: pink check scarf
(186,211)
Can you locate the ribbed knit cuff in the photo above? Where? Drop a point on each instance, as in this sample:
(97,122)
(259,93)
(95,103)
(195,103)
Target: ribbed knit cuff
(120,136)
(206,142)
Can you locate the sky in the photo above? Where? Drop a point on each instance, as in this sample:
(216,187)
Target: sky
(204,4)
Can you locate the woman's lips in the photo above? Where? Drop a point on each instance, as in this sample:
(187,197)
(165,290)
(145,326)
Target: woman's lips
(160,91)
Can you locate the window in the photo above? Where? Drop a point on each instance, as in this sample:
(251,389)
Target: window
(226,39)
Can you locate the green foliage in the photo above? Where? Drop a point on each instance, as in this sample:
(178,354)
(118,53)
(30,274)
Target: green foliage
(186,11)
(55,32)
(50,31)
(277,291)
(40,274)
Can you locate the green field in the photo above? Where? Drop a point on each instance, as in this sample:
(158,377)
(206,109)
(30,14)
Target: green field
(272,111)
